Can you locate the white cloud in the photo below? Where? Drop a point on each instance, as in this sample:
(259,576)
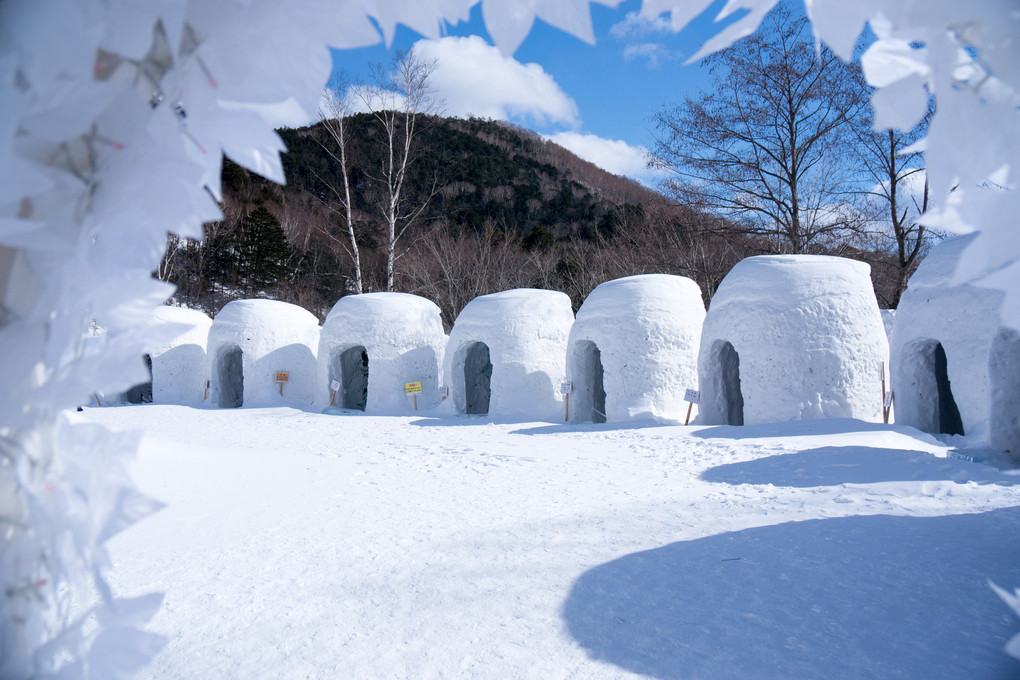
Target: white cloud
(612,155)
(655,53)
(473,78)
(635,24)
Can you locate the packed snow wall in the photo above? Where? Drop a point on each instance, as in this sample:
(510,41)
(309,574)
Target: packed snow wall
(633,349)
(376,343)
(507,354)
(250,341)
(954,363)
(178,361)
(792,337)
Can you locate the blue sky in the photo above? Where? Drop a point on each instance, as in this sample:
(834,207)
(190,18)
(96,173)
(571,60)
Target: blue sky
(598,100)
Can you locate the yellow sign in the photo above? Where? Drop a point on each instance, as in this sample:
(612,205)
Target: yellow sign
(282,377)
(412,388)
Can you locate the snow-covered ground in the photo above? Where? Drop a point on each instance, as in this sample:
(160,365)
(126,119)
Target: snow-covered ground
(299,545)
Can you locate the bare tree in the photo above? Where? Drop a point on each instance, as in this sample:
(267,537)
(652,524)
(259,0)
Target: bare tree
(765,147)
(400,96)
(896,168)
(334,110)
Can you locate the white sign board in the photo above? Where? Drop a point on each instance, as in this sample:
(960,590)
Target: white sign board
(692,396)
(888,399)
(566,388)
(444,391)
(335,386)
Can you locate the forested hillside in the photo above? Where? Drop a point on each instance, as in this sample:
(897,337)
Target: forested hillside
(494,207)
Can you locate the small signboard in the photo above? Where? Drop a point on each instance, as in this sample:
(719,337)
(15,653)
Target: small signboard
(888,400)
(692,396)
(334,385)
(282,376)
(444,391)
(412,388)
(566,388)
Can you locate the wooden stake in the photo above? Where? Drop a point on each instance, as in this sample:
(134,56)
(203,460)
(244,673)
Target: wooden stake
(885,410)
(690,405)
(566,411)
(96,395)
(332,397)
(205,394)
(415,398)
(281,388)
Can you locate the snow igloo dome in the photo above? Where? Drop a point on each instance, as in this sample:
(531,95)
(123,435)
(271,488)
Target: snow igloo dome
(251,342)
(175,357)
(633,349)
(955,366)
(792,337)
(372,345)
(507,353)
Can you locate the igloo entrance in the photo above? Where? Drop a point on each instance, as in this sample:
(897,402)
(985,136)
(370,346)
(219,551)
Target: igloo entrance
(142,392)
(230,375)
(353,365)
(928,367)
(1004,374)
(590,395)
(477,379)
(731,400)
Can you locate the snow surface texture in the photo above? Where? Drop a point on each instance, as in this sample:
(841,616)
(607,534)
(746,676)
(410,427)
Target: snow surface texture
(444,548)
(403,339)
(956,368)
(114,122)
(179,364)
(507,352)
(633,349)
(791,337)
(250,342)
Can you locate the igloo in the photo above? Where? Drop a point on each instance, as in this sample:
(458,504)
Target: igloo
(792,337)
(955,366)
(373,345)
(250,343)
(507,353)
(633,349)
(175,358)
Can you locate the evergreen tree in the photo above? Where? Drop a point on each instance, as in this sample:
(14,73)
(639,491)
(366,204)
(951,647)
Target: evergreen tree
(262,251)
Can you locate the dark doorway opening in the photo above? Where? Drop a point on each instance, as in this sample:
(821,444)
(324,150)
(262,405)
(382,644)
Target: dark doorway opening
(729,374)
(230,375)
(949,414)
(477,379)
(142,392)
(354,369)
(591,396)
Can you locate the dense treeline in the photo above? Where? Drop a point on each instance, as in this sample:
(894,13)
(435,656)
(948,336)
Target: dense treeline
(502,209)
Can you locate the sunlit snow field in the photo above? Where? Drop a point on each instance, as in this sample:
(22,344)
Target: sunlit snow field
(299,545)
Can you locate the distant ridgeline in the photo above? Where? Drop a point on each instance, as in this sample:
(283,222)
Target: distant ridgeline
(500,208)
(482,171)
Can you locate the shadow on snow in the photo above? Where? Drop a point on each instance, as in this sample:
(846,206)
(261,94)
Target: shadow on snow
(835,465)
(856,597)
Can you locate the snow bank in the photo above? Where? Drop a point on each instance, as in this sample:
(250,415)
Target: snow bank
(791,337)
(955,367)
(633,349)
(372,344)
(249,342)
(179,367)
(507,354)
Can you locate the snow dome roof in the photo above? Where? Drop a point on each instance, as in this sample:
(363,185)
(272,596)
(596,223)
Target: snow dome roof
(792,337)
(975,385)
(403,339)
(525,332)
(647,331)
(185,326)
